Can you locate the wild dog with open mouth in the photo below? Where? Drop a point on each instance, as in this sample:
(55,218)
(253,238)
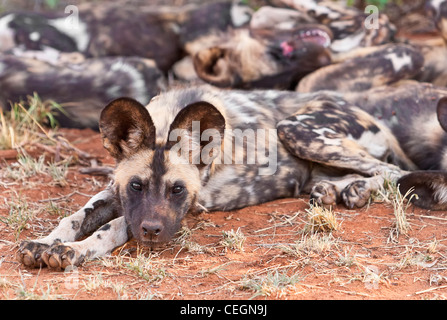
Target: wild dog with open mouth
(262,58)
(193,149)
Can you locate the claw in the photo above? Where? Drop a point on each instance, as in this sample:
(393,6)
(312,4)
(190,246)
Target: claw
(61,256)
(52,261)
(30,254)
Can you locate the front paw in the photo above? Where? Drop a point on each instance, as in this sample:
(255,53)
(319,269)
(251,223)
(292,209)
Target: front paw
(62,255)
(356,194)
(324,193)
(30,254)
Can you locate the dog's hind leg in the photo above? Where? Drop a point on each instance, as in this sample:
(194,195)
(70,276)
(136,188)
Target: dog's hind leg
(344,140)
(99,210)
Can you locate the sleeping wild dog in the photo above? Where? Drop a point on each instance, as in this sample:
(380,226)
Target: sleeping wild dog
(178,156)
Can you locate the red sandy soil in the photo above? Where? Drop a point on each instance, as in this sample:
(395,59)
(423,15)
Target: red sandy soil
(362,259)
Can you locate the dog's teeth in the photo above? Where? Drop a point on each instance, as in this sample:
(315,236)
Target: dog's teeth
(316,33)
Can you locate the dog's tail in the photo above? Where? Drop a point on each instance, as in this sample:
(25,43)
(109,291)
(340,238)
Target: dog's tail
(430,188)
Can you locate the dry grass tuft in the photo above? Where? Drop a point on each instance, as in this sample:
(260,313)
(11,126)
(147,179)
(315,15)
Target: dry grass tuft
(233,240)
(400,205)
(320,219)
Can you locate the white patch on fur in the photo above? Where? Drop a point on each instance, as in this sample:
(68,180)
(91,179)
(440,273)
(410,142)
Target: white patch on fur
(102,242)
(348,43)
(443,162)
(297,122)
(399,62)
(314,6)
(302,117)
(374,143)
(47,54)
(289,123)
(138,83)
(271,94)
(440,194)
(79,34)
(328,141)
(6,34)
(271,17)
(436,4)
(34,36)
(240,13)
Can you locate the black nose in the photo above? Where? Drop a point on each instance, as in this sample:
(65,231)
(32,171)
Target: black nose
(151,229)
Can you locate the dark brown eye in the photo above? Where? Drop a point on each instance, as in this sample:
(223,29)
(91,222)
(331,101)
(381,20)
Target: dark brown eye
(177,190)
(136,186)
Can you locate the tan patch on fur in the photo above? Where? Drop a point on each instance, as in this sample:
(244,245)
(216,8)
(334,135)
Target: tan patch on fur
(427,130)
(237,53)
(135,165)
(251,60)
(187,173)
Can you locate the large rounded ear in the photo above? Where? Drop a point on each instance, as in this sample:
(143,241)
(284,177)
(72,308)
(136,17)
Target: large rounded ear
(198,124)
(441,110)
(430,188)
(126,127)
(213,66)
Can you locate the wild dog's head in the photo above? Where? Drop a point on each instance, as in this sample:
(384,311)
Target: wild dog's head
(262,58)
(156,183)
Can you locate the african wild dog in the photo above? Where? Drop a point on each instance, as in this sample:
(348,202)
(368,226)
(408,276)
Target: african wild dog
(281,45)
(108,29)
(327,147)
(81,85)
(262,58)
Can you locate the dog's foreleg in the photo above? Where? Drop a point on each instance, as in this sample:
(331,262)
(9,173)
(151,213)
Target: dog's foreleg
(100,209)
(352,190)
(100,243)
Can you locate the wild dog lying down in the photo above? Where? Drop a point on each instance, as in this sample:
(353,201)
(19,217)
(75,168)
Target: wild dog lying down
(202,147)
(82,86)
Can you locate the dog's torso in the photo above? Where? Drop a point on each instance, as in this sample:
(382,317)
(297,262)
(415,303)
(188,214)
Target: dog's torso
(230,185)
(403,113)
